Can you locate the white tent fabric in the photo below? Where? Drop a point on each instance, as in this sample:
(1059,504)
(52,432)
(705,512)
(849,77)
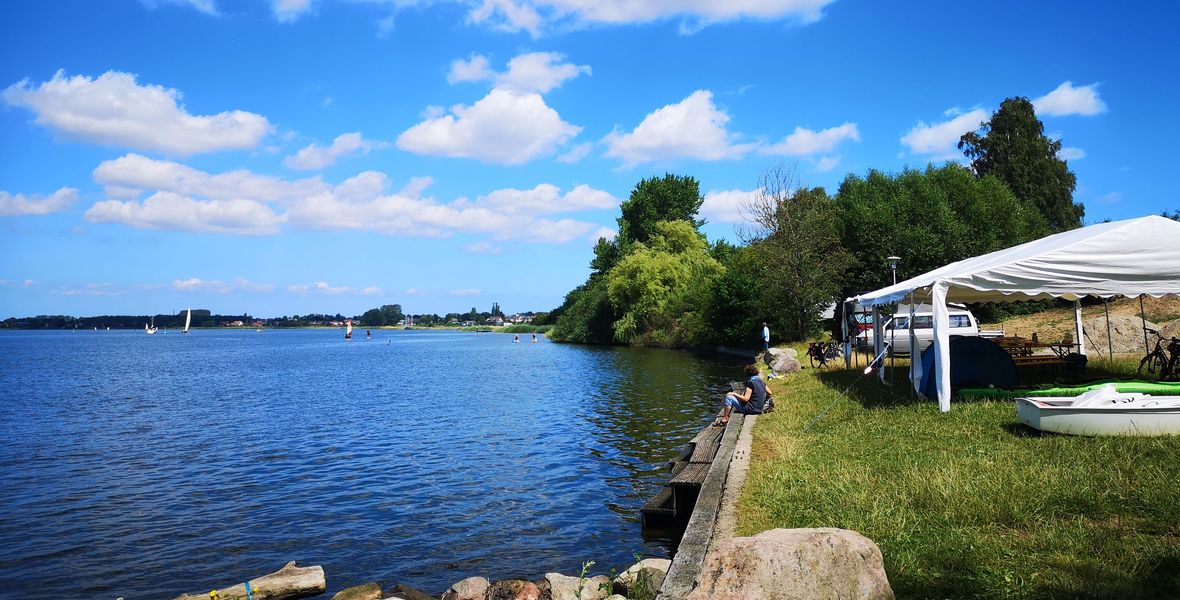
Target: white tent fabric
(1121,258)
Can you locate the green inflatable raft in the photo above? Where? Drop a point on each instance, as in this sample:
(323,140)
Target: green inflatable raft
(1155,388)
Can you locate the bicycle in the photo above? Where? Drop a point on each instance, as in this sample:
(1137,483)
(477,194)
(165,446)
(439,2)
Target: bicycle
(822,352)
(1161,364)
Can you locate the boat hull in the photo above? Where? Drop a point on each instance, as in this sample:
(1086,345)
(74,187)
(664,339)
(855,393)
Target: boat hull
(1060,416)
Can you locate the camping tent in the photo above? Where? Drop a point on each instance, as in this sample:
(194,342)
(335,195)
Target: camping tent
(1120,258)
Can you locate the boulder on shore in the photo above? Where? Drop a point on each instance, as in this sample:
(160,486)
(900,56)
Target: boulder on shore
(1126,335)
(644,578)
(514,589)
(472,588)
(806,564)
(783,361)
(564,587)
(368,591)
(405,592)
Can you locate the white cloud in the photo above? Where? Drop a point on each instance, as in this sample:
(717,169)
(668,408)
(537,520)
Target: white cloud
(603,232)
(115,110)
(130,175)
(465,292)
(1071,153)
(539,72)
(827,163)
(505,127)
(482,248)
(208,7)
(91,289)
(194,284)
(805,142)
(727,206)
(693,128)
(170,211)
(240,202)
(287,11)
(322,287)
(475,68)
(318,157)
(940,140)
(577,153)
(1069,100)
(534,16)
(19,204)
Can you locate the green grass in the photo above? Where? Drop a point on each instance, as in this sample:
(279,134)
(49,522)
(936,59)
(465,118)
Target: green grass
(968,504)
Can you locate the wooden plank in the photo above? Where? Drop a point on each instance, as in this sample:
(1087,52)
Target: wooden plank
(709,433)
(660,503)
(692,475)
(706,450)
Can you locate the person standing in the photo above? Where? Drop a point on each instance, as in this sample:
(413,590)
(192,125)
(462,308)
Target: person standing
(765,336)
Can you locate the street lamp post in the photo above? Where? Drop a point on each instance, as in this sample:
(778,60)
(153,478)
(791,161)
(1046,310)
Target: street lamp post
(893,266)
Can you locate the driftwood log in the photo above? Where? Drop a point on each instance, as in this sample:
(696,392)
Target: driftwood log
(287,583)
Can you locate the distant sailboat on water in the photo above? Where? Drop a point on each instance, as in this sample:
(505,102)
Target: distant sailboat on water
(150,330)
(188,319)
(348,330)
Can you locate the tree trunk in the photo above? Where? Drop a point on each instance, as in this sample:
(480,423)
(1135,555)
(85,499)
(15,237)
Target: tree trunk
(287,583)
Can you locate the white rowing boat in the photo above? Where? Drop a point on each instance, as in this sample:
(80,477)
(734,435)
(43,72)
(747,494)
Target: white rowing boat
(1103,411)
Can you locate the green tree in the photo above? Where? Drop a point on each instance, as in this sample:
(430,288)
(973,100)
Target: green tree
(391,314)
(660,287)
(586,316)
(1013,147)
(496,312)
(797,250)
(670,198)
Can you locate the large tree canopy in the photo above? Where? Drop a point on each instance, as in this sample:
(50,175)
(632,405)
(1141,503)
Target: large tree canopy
(1013,147)
(670,198)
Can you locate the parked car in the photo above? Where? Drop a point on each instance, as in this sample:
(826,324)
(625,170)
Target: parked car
(961,320)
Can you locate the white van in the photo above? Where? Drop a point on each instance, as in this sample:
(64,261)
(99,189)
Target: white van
(961,320)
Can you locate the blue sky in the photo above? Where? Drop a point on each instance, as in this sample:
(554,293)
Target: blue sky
(281,157)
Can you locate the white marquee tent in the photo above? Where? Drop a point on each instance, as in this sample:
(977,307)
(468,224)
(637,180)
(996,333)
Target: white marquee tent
(1121,258)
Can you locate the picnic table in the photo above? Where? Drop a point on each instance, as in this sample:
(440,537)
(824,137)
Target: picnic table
(1020,347)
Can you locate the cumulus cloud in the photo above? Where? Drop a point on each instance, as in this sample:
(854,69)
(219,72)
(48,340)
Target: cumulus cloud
(1071,154)
(1069,100)
(692,128)
(576,153)
(132,174)
(18,205)
(505,127)
(539,72)
(170,211)
(940,140)
(318,157)
(113,109)
(287,11)
(195,284)
(727,206)
(534,16)
(475,68)
(322,287)
(482,248)
(827,163)
(805,142)
(240,202)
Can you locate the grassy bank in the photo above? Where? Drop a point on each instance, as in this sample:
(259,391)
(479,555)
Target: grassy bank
(968,504)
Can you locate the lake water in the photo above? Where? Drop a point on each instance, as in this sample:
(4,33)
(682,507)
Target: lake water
(148,466)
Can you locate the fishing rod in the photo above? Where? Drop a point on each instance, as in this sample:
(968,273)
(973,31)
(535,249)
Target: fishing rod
(886,350)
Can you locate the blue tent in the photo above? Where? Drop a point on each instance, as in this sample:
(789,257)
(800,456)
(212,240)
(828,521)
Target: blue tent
(975,362)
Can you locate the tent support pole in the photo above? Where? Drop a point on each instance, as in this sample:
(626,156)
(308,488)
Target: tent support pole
(1143,315)
(1077,320)
(1109,342)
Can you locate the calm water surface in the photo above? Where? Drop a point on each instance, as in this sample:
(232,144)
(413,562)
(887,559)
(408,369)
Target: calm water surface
(148,466)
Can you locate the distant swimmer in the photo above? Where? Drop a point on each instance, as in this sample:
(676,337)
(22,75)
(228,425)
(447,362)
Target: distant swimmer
(516,339)
(368,334)
(534,337)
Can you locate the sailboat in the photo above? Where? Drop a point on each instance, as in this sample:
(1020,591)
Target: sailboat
(152,329)
(348,330)
(188,319)
(409,322)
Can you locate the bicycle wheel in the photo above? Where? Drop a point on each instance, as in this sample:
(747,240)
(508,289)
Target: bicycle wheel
(811,352)
(1172,371)
(1152,365)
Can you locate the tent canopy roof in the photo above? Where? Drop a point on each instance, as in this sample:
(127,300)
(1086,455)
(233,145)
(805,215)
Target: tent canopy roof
(1127,258)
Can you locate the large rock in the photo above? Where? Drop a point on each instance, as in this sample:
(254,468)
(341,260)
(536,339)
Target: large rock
(514,589)
(799,564)
(643,578)
(1170,329)
(472,588)
(786,365)
(1126,333)
(774,354)
(405,592)
(564,587)
(368,591)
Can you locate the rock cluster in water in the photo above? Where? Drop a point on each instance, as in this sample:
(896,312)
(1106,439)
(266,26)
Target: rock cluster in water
(640,582)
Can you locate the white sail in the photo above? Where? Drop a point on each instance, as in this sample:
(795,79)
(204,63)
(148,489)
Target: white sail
(348,330)
(188,319)
(152,329)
